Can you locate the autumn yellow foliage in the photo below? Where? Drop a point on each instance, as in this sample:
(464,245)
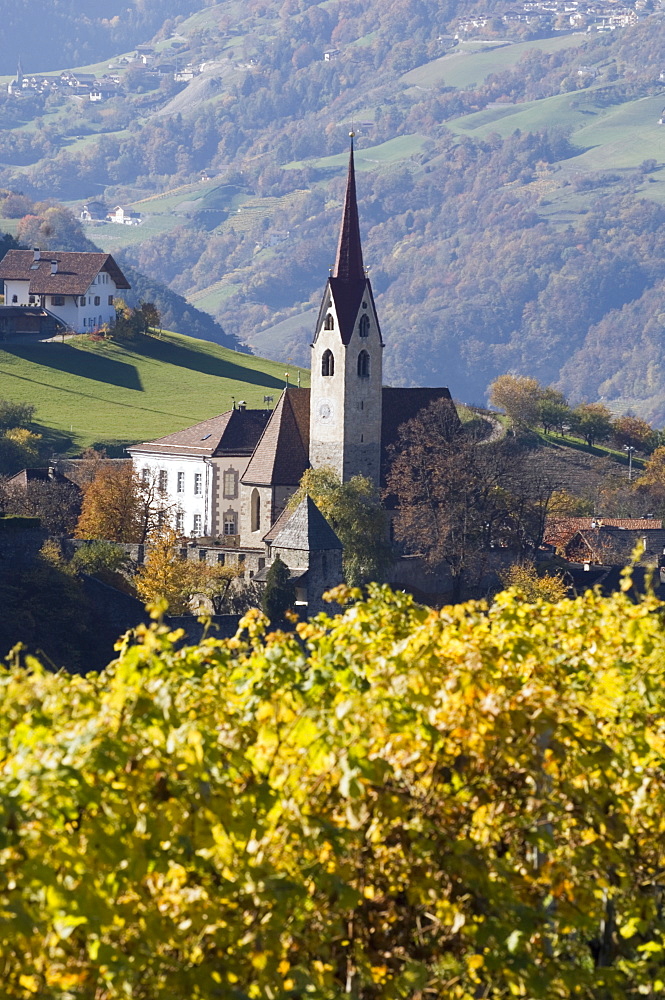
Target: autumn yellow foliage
(399,804)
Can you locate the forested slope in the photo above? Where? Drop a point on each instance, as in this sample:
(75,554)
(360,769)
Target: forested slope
(511,187)
(58,33)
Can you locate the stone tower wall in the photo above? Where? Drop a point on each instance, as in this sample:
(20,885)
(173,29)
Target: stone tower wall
(345,409)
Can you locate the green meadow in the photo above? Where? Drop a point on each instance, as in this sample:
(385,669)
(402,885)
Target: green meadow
(469,65)
(89,392)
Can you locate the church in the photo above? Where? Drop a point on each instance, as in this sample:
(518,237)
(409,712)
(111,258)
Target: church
(229,478)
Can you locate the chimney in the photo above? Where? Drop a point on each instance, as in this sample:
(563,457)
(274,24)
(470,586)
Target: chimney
(242,405)
(54,267)
(36,255)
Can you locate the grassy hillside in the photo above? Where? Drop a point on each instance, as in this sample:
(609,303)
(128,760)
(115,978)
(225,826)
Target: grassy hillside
(103,392)
(472,62)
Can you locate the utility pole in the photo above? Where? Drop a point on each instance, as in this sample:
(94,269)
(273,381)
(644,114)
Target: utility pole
(629,448)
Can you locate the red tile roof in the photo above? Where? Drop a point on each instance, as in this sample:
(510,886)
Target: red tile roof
(235,432)
(560,530)
(75,273)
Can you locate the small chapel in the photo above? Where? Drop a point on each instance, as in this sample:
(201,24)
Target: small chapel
(230,478)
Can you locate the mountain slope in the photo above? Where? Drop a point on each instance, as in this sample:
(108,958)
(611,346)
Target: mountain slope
(500,181)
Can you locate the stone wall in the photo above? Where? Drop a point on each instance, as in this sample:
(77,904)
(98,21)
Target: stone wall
(21,539)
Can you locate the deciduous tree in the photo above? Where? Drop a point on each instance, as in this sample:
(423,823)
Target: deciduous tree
(15,414)
(456,495)
(525,578)
(168,576)
(165,575)
(354,510)
(120,506)
(634,432)
(519,397)
(592,421)
(553,411)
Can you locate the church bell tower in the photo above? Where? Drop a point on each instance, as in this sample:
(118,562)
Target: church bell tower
(346,381)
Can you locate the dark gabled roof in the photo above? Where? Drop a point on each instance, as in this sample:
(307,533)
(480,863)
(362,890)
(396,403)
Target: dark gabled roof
(400,405)
(304,530)
(75,271)
(282,454)
(235,432)
(23,478)
(349,263)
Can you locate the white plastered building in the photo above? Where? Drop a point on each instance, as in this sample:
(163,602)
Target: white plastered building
(78,288)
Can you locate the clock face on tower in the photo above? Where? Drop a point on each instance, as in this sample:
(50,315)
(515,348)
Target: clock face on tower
(325,410)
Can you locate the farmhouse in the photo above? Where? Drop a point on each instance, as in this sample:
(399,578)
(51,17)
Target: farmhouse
(124,217)
(230,478)
(78,289)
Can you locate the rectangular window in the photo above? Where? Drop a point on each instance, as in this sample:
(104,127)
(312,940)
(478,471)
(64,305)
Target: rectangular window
(179,521)
(110,300)
(230,524)
(197,524)
(230,484)
(57,300)
(97,300)
(85,322)
(180,487)
(163,479)
(145,472)
(198,483)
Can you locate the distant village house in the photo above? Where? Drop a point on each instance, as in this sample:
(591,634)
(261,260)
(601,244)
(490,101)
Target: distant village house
(123,217)
(78,289)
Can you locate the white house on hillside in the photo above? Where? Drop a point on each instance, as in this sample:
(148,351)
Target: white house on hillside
(77,288)
(123,217)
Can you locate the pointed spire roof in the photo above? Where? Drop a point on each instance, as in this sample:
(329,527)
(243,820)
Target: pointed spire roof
(349,263)
(304,529)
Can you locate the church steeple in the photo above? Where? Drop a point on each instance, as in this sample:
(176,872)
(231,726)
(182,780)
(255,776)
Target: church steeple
(346,387)
(349,263)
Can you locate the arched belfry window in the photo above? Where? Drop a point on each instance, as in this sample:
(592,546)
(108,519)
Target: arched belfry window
(363,326)
(255,510)
(328,363)
(329,322)
(363,364)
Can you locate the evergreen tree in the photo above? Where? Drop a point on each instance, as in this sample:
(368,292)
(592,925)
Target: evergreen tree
(280,592)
